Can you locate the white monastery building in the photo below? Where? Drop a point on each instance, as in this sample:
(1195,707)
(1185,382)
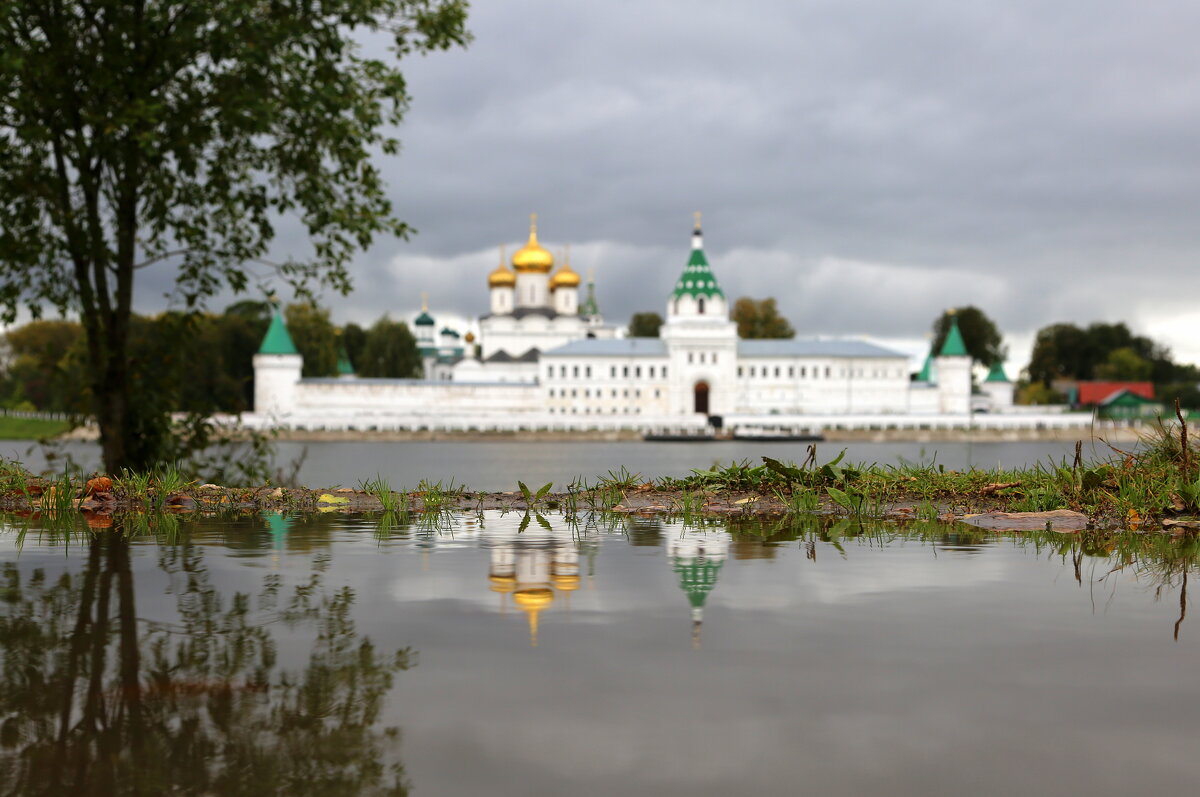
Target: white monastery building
(546,359)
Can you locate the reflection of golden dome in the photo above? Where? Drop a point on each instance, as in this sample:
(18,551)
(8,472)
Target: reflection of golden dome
(503,583)
(502,277)
(566,583)
(532,257)
(532,601)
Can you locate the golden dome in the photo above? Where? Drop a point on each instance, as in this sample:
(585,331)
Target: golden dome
(469,337)
(502,277)
(532,257)
(565,277)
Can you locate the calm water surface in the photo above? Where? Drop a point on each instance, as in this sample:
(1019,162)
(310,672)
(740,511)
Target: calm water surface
(465,656)
(498,465)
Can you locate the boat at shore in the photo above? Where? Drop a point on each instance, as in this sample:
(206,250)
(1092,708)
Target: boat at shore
(778,434)
(704,434)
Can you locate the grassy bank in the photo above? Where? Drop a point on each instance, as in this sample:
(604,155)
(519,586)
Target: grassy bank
(1155,487)
(14,428)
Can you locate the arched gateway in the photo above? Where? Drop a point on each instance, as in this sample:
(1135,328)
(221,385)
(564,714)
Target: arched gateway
(700,395)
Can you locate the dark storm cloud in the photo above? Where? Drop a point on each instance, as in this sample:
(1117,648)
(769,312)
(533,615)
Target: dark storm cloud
(867,162)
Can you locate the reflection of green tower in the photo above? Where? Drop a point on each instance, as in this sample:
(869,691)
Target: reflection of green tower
(278,524)
(697,577)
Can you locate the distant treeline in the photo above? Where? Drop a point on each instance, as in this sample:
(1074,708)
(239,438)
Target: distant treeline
(200,362)
(1106,352)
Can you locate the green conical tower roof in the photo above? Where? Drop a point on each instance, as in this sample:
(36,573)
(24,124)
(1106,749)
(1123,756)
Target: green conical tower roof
(997,373)
(926,374)
(277,340)
(954,345)
(589,306)
(697,279)
(344,368)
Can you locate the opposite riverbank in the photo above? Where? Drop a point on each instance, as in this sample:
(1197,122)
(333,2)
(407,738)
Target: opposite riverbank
(1125,434)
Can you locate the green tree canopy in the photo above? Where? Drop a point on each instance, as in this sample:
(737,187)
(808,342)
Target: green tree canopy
(354,338)
(390,350)
(980,335)
(315,337)
(760,318)
(176,132)
(1067,351)
(645,325)
(45,363)
(1124,364)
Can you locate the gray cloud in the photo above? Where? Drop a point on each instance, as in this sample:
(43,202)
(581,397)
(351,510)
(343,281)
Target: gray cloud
(867,162)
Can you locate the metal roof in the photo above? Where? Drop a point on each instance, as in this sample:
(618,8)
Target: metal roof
(793,347)
(611,347)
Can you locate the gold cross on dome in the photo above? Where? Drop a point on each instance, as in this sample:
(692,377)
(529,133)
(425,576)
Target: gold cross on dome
(424,302)
(696,215)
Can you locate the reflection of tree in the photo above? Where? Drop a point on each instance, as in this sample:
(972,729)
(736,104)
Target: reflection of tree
(95,701)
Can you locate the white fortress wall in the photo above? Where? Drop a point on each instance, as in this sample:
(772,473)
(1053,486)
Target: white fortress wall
(413,396)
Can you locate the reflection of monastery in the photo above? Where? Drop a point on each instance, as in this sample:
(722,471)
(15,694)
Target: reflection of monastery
(537,571)
(545,359)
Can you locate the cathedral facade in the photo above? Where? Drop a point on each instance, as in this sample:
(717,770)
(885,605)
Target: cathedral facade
(546,358)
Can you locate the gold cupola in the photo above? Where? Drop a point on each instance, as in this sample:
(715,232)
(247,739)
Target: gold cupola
(502,277)
(565,277)
(532,258)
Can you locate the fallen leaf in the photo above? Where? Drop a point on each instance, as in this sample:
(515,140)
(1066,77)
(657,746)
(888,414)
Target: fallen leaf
(100,484)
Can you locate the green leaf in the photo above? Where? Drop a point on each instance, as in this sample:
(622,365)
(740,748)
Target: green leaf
(840,498)
(544,489)
(788,472)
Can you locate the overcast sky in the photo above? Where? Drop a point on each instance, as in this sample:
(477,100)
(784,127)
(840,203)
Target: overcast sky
(867,162)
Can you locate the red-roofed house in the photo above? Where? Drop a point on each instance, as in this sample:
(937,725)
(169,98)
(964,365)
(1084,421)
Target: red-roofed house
(1117,399)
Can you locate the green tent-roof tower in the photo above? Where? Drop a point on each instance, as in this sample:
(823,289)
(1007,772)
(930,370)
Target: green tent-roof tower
(277,340)
(697,279)
(953,346)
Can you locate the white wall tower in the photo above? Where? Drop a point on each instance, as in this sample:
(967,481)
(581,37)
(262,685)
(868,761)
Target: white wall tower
(701,340)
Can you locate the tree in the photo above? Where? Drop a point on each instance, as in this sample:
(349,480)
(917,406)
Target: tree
(354,338)
(1066,351)
(315,338)
(43,366)
(390,350)
(173,132)
(645,325)
(760,319)
(980,335)
(1124,365)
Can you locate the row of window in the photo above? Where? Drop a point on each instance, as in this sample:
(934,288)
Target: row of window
(703,356)
(598,393)
(766,371)
(599,411)
(585,371)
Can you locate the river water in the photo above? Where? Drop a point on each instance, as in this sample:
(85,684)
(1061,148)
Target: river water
(462,655)
(498,465)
